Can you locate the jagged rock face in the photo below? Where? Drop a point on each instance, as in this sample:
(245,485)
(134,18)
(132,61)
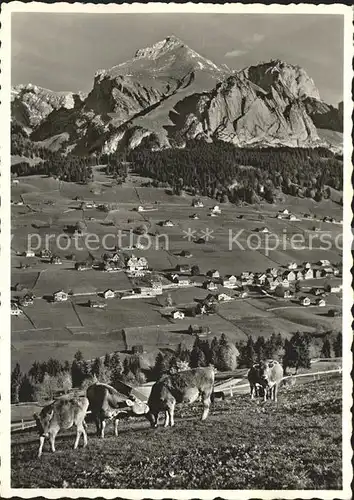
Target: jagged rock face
(236,112)
(31,104)
(324,115)
(286,78)
(167,93)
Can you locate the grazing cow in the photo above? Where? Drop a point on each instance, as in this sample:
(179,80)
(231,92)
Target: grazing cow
(265,376)
(181,387)
(62,414)
(106,403)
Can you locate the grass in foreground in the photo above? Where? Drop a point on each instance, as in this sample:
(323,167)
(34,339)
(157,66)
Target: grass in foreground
(243,445)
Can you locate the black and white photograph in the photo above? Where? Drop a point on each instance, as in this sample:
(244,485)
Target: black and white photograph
(175,255)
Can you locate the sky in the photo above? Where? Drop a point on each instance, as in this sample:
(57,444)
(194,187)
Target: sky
(62,52)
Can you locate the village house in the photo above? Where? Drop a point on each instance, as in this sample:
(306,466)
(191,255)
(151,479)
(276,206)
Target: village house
(292,217)
(180,281)
(229,281)
(246,275)
(27,300)
(223,297)
(242,294)
(145,208)
(45,254)
(292,265)
(213,214)
(317,291)
(305,301)
(167,223)
(320,302)
(308,274)
(262,230)
(97,305)
(317,273)
(197,204)
(307,265)
(324,262)
(284,212)
(213,273)
(55,260)
(280,291)
(272,283)
(328,270)
(201,308)
(289,275)
(183,268)
(279,216)
(60,296)
(137,264)
(333,288)
(29,253)
(336,271)
(178,315)
(210,285)
(109,294)
(272,271)
(299,275)
(216,209)
(194,216)
(285,282)
(145,290)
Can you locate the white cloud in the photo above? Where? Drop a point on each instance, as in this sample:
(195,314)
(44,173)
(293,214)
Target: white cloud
(236,53)
(248,43)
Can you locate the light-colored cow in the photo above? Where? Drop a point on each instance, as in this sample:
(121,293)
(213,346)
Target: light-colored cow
(62,414)
(181,387)
(106,403)
(265,377)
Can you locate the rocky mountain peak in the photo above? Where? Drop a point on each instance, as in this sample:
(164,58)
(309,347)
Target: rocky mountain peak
(159,48)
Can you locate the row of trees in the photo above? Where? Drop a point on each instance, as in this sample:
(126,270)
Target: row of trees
(44,380)
(227,173)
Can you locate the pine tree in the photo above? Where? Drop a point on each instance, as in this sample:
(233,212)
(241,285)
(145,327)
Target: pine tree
(326,348)
(249,355)
(197,357)
(162,366)
(16,380)
(337,346)
(260,348)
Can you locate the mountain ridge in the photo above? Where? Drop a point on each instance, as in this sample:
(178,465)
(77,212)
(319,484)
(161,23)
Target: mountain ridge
(169,93)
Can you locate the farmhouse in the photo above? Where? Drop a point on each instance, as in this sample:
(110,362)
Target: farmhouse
(317,291)
(292,265)
(55,260)
(293,217)
(324,262)
(308,274)
(333,288)
(223,297)
(213,273)
(305,301)
(111,266)
(167,223)
(97,305)
(317,273)
(109,294)
(197,204)
(178,315)
(145,208)
(263,230)
(307,265)
(60,296)
(45,254)
(229,281)
(29,253)
(145,290)
(246,275)
(183,268)
(289,275)
(137,264)
(210,285)
(27,300)
(284,212)
(180,281)
(273,271)
(242,294)
(216,209)
(320,302)
(328,270)
(259,278)
(279,216)
(285,282)
(280,291)
(299,275)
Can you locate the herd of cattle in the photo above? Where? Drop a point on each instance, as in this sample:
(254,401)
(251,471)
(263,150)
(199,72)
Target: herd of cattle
(105,403)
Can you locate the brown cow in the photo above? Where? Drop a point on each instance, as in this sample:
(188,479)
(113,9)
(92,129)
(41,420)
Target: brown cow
(181,387)
(265,376)
(62,414)
(106,403)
